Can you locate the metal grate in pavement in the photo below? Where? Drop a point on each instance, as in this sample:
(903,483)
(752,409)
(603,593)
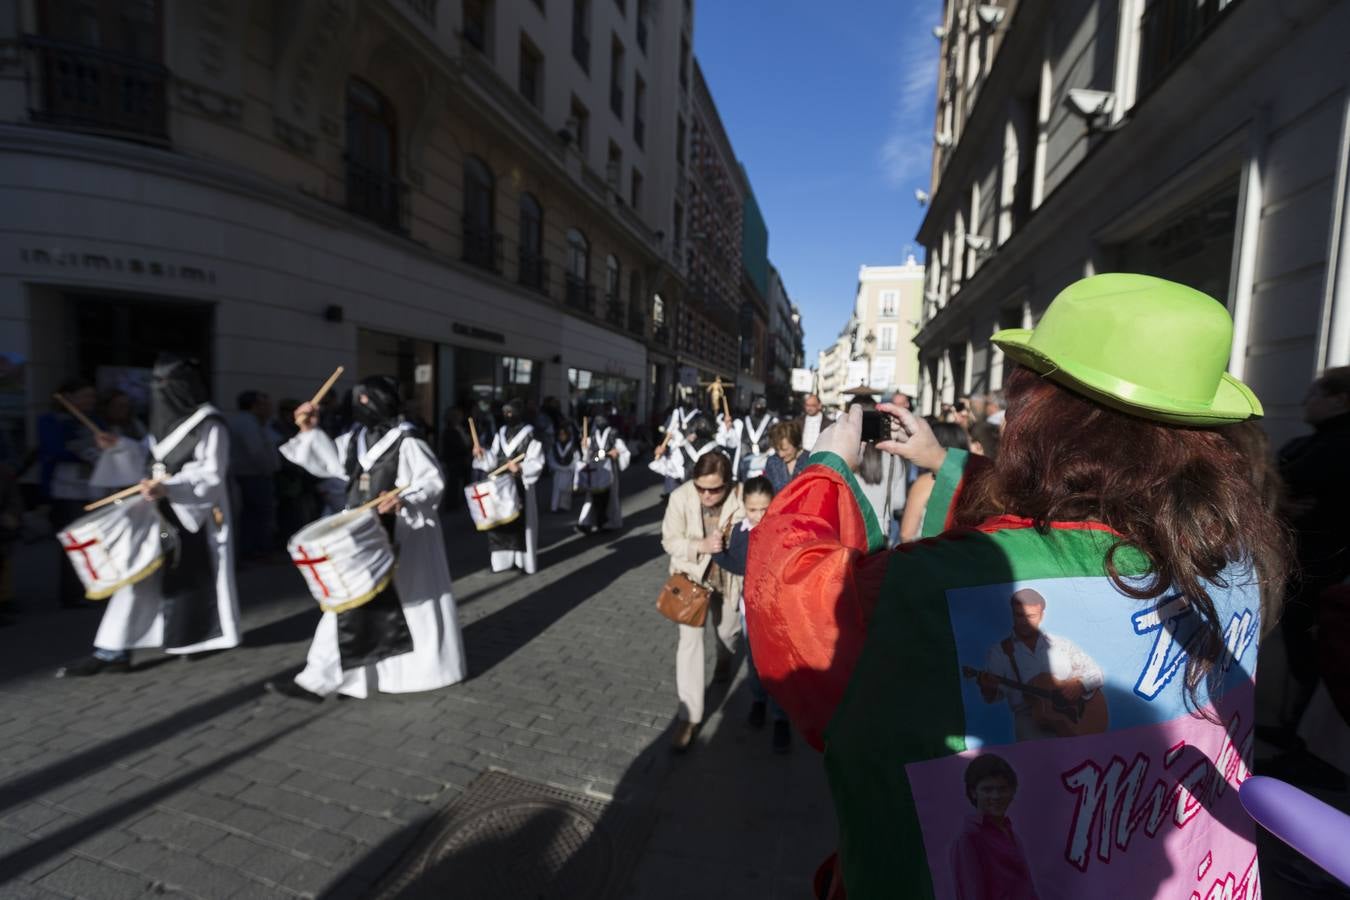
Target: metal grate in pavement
(511,838)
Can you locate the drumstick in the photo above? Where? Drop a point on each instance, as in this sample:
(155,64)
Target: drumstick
(327,386)
(585,425)
(504,466)
(725,408)
(113,498)
(473,433)
(79,416)
(371,504)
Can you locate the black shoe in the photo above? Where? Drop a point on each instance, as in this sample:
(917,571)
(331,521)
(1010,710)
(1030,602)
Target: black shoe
(782,736)
(757,710)
(92,665)
(293,690)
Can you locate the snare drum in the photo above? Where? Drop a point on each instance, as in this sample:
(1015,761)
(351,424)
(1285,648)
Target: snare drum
(494,502)
(593,478)
(346,559)
(114,546)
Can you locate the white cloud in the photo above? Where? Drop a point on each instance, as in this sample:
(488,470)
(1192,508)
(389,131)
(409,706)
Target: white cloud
(906,154)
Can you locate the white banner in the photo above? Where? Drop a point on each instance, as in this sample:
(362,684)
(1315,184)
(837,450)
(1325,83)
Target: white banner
(857,374)
(883,373)
(803,380)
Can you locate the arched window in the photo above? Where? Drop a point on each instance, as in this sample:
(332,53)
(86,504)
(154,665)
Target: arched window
(635,304)
(481,244)
(532,267)
(580,293)
(373,189)
(613,291)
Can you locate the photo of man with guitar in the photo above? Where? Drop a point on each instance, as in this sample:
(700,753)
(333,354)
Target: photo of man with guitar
(1050,684)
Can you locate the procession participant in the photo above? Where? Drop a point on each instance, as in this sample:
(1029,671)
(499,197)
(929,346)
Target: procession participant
(602,510)
(67,454)
(406,638)
(562,456)
(516,543)
(813,420)
(677,427)
(1128,493)
(748,439)
(189,606)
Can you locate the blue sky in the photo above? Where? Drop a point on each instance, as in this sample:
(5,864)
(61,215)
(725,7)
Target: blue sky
(830,109)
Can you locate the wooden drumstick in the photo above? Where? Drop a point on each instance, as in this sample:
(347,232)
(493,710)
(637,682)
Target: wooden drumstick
(371,504)
(585,435)
(120,495)
(327,386)
(504,466)
(79,416)
(473,433)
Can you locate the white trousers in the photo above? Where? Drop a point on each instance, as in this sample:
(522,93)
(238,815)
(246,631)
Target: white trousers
(690,667)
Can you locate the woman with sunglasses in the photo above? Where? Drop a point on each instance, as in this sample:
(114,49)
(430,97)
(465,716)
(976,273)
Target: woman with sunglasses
(700,513)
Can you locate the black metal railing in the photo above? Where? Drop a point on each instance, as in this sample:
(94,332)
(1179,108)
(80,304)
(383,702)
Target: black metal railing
(614,310)
(636,322)
(78,86)
(377,196)
(1169,29)
(579,294)
(661,335)
(482,248)
(532,270)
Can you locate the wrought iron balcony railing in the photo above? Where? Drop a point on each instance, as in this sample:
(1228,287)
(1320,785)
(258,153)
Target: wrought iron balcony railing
(532,270)
(580,295)
(614,311)
(78,86)
(482,248)
(377,196)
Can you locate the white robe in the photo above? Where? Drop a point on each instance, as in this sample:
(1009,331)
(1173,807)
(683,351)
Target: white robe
(614,507)
(561,473)
(422,580)
(134,617)
(812,426)
(735,437)
(671,463)
(531,467)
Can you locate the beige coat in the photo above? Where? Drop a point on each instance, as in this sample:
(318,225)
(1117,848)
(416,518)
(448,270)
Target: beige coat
(682,529)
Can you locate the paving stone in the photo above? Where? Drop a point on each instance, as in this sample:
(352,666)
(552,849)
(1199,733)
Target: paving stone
(252,858)
(92,881)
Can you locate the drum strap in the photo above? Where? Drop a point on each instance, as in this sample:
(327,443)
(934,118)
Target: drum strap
(754,435)
(600,444)
(169,455)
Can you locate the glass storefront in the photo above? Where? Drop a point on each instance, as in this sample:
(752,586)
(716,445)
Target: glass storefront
(616,394)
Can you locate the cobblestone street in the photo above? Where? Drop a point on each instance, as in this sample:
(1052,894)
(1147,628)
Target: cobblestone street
(185,779)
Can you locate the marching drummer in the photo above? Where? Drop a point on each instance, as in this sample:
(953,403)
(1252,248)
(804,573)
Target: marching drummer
(515,449)
(187,604)
(405,637)
(603,456)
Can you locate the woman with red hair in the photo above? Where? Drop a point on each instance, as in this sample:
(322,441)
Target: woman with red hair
(1126,501)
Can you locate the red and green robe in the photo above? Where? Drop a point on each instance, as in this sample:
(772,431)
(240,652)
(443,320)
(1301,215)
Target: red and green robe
(877,656)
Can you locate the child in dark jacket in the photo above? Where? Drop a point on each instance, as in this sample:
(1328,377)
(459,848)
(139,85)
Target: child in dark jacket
(756,495)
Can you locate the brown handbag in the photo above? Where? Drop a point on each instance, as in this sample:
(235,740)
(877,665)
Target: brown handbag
(684,601)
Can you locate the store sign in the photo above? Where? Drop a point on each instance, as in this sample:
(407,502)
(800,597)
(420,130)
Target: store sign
(422,374)
(481,333)
(803,380)
(108,264)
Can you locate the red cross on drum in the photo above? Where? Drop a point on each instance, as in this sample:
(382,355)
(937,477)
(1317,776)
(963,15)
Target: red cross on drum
(346,559)
(494,502)
(115,546)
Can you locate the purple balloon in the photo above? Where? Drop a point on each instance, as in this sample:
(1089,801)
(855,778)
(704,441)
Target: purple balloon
(1318,831)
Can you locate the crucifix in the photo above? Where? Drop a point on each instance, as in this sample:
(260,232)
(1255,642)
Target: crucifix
(717,393)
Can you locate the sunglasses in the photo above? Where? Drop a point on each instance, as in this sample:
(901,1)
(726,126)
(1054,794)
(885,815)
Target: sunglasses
(712,490)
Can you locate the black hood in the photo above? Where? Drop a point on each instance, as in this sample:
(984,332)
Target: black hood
(376,405)
(176,390)
(599,423)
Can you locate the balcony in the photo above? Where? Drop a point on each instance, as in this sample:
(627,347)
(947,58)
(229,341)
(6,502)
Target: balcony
(642,33)
(377,196)
(616,100)
(580,295)
(614,310)
(482,248)
(661,335)
(581,50)
(639,130)
(636,323)
(533,271)
(1169,29)
(77,86)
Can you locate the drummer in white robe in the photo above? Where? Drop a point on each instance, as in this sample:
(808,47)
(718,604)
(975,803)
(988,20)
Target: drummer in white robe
(517,543)
(747,440)
(601,510)
(562,456)
(670,463)
(405,639)
(189,605)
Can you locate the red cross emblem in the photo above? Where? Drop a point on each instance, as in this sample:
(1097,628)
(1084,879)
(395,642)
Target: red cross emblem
(83,549)
(479,496)
(305,561)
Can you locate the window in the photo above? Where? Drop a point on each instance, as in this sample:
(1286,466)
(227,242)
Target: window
(581,33)
(635,190)
(580,294)
(616,77)
(373,191)
(481,244)
(635,323)
(679,140)
(889,301)
(476,24)
(886,339)
(623,6)
(614,169)
(613,292)
(1193,245)
(639,109)
(533,269)
(642,24)
(678,226)
(1168,30)
(531,73)
(684,62)
(580,122)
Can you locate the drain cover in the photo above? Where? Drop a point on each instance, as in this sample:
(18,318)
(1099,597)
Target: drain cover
(511,838)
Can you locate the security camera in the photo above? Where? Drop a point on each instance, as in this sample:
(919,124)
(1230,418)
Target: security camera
(978,242)
(990,15)
(1089,104)
(921,195)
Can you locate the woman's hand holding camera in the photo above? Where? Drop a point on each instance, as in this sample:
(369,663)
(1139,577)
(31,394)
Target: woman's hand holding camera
(912,439)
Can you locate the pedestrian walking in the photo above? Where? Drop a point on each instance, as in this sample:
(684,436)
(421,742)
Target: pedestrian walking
(789,459)
(603,457)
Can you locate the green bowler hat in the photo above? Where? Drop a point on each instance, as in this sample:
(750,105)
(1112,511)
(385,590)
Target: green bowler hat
(1142,345)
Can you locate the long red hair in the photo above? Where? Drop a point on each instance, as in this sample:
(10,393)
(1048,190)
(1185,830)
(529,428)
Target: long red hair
(1192,500)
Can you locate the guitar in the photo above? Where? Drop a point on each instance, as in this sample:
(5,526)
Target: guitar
(1051,710)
